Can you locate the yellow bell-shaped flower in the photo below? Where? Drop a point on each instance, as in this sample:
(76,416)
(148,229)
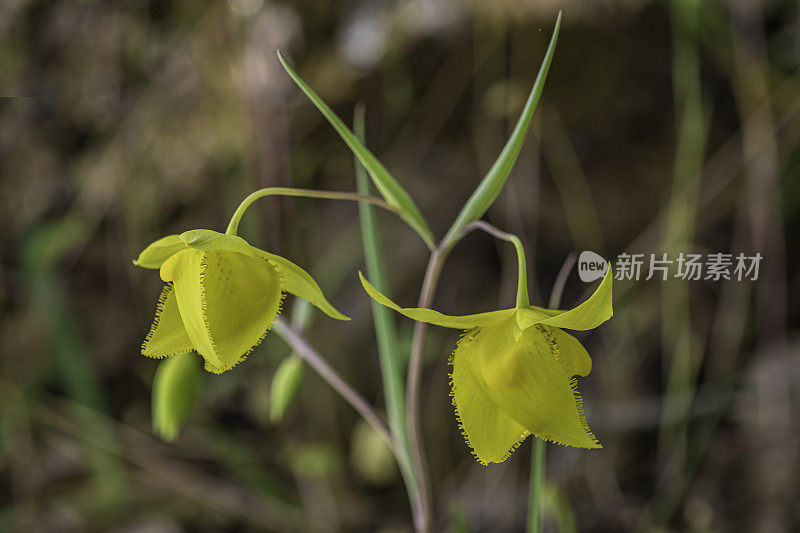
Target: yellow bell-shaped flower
(513,372)
(221,296)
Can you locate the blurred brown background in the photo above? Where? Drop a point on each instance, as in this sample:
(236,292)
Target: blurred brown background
(664,126)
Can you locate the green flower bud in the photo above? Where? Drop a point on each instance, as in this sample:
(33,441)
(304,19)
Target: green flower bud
(285,385)
(175,389)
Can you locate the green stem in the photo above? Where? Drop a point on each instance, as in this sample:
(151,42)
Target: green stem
(523,300)
(432,272)
(536,494)
(536,490)
(233,225)
(385,330)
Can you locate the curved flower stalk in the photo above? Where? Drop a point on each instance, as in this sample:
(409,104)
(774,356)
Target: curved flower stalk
(512,371)
(221,296)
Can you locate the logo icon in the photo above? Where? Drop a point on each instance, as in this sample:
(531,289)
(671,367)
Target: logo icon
(591,266)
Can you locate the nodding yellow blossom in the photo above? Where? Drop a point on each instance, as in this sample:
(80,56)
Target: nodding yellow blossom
(513,372)
(221,296)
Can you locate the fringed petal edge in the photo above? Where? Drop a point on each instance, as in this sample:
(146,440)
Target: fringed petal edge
(162,298)
(573,384)
(225,368)
(467,336)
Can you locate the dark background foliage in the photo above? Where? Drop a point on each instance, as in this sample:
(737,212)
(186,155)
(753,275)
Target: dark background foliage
(124,121)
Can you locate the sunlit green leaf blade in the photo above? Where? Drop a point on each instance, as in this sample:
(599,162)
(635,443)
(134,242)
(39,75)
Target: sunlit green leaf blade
(493,182)
(385,330)
(394,194)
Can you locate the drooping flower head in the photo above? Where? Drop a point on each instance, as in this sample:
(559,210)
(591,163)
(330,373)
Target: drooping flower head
(221,296)
(513,372)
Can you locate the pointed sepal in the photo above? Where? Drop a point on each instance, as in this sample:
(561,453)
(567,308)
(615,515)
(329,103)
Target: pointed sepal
(434,317)
(159,251)
(297,281)
(594,311)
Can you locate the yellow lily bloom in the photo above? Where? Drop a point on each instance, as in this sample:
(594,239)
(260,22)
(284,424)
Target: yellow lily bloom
(513,372)
(221,296)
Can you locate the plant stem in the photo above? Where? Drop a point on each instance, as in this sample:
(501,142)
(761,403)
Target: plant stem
(298,343)
(233,225)
(536,494)
(536,490)
(390,359)
(523,300)
(432,272)
(561,280)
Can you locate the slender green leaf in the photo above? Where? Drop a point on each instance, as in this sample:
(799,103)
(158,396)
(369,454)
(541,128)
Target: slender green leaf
(385,330)
(493,182)
(394,194)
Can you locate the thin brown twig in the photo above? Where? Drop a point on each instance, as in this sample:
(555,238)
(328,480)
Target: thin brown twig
(432,272)
(484,226)
(307,352)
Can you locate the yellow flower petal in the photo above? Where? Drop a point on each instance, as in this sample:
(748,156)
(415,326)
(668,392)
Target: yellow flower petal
(185,271)
(241,299)
(489,431)
(525,380)
(159,251)
(572,355)
(227,301)
(298,282)
(434,317)
(167,335)
(528,316)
